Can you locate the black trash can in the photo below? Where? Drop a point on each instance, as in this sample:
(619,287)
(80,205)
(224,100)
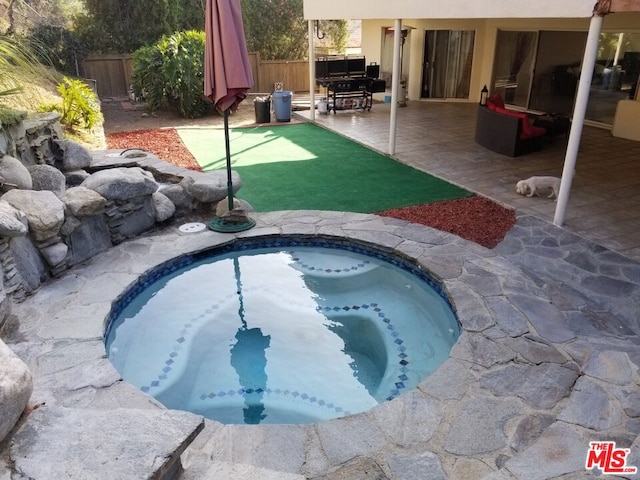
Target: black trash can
(263,110)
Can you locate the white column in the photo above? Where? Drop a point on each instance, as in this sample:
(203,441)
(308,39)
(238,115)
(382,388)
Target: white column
(582,97)
(395,84)
(312,73)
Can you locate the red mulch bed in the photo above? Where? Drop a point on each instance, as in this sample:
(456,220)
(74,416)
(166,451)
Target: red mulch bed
(477,219)
(164,143)
(474,218)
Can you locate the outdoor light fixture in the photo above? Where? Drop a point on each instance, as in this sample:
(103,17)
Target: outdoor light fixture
(484,93)
(319,34)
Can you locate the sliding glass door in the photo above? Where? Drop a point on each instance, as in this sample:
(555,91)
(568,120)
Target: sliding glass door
(513,66)
(557,68)
(616,74)
(448,57)
(540,71)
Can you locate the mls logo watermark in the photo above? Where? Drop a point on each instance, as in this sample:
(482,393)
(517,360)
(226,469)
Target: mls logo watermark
(608,458)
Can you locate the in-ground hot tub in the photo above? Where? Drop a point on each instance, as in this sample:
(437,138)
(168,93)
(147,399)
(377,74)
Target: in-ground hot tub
(291,330)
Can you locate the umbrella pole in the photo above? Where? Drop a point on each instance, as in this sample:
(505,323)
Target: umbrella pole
(227,149)
(235,220)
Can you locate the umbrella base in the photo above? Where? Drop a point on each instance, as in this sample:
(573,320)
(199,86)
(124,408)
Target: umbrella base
(233,221)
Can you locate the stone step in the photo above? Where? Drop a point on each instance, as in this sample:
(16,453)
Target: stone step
(203,469)
(126,444)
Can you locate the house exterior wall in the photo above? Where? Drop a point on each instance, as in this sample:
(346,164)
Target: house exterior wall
(485,40)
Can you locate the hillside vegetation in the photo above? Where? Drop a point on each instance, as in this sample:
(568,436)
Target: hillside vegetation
(39,89)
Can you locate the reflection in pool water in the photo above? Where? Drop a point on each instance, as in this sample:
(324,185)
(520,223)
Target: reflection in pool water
(274,335)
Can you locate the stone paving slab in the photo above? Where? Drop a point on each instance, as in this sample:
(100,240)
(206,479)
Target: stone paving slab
(57,443)
(213,470)
(544,353)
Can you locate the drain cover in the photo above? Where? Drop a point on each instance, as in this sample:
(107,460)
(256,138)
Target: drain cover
(192,227)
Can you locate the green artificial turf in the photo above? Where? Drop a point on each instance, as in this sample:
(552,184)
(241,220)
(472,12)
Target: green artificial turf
(306,167)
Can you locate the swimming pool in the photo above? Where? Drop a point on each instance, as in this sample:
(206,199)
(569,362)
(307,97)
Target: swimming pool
(286,331)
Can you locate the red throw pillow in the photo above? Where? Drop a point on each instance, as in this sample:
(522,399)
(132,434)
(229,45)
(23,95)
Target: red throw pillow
(527,129)
(495,101)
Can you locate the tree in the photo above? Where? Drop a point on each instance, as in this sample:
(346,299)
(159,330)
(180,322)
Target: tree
(45,24)
(191,15)
(59,47)
(20,16)
(122,26)
(275,28)
(335,34)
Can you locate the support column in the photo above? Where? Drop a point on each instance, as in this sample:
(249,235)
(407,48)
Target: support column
(395,85)
(582,97)
(312,73)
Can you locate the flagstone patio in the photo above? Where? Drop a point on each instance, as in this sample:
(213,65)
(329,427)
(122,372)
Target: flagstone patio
(547,362)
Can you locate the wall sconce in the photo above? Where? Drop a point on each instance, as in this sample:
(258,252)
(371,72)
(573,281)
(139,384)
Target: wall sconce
(484,94)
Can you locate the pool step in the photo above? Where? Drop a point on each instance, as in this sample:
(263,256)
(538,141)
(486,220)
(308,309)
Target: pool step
(204,469)
(330,266)
(123,444)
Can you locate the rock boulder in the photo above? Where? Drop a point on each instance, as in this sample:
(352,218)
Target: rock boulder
(83,202)
(13,172)
(44,211)
(46,177)
(121,184)
(211,187)
(74,156)
(162,206)
(16,385)
(13,222)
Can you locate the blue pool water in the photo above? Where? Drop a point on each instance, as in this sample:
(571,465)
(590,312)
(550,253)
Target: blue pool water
(280,335)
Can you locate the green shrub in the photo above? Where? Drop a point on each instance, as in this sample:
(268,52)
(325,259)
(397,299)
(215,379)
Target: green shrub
(8,116)
(79,107)
(172,73)
(148,79)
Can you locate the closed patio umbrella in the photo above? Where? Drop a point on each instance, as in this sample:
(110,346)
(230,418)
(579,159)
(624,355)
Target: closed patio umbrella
(227,77)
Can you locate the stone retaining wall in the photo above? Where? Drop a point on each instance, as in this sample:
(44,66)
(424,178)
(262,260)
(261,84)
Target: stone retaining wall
(61,204)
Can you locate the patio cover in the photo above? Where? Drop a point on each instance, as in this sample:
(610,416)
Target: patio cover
(463,9)
(450,9)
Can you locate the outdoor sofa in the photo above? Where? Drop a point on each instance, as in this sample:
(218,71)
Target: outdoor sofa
(506,131)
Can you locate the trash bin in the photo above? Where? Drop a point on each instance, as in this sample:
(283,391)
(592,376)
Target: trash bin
(282,106)
(262,106)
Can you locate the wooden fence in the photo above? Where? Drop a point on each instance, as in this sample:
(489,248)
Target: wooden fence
(112,74)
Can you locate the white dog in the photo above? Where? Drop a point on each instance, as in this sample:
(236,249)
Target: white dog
(536,185)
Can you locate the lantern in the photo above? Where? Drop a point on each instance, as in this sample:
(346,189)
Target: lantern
(484,94)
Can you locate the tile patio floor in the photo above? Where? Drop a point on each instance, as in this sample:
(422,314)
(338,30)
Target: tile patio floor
(438,138)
